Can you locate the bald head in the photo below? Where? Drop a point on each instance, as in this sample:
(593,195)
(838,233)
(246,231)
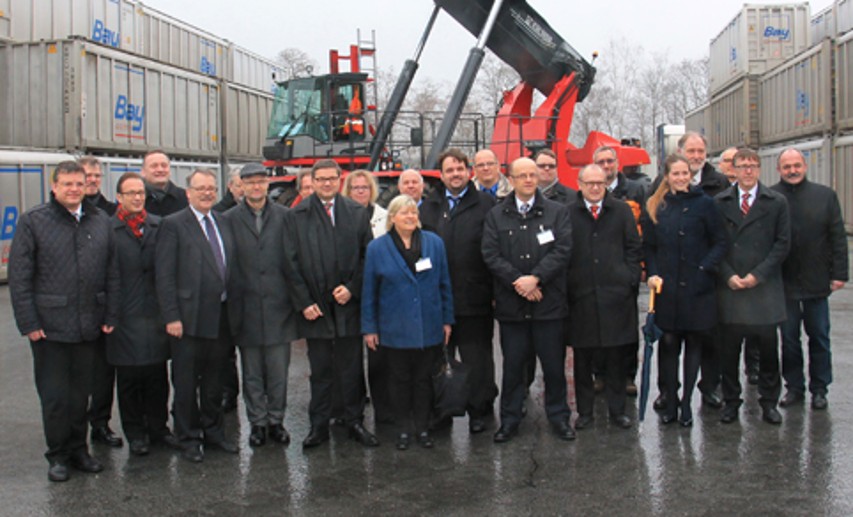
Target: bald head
(411,183)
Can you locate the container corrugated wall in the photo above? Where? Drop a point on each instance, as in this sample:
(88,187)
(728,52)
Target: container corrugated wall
(843,180)
(245,116)
(733,116)
(697,120)
(77,95)
(843,16)
(844,82)
(756,40)
(252,70)
(796,98)
(823,25)
(818,155)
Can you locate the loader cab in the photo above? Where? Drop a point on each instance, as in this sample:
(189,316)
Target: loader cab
(318,117)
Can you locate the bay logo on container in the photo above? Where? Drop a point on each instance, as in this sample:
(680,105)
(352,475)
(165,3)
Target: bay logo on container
(132,117)
(101,34)
(207,66)
(778,33)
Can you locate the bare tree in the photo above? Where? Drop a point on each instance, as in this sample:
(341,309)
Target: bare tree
(296,63)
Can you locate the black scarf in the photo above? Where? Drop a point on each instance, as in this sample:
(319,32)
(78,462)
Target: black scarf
(412,255)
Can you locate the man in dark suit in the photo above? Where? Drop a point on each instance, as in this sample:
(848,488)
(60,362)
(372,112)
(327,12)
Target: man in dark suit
(752,298)
(527,242)
(63,279)
(194,255)
(549,181)
(329,235)
(262,315)
(604,273)
(456,212)
(162,196)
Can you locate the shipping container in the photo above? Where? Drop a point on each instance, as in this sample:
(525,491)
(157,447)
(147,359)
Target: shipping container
(795,99)
(76,95)
(97,20)
(843,16)
(823,25)
(759,38)
(250,69)
(844,82)
(733,117)
(697,120)
(666,142)
(842,160)
(818,155)
(245,115)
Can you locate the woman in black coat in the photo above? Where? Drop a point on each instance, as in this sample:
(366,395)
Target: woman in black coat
(684,242)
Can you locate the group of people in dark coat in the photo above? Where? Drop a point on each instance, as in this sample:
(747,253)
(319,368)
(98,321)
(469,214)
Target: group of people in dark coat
(553,266)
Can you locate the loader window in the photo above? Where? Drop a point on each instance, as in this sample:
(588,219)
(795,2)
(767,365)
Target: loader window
(347,112)
(297,110)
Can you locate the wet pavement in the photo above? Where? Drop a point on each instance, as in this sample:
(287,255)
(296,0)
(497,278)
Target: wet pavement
(803,467)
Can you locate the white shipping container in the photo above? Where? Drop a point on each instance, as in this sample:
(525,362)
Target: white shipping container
(818,155)
(245,116)
(252,70)
(843,178)
(795,99)
(98,20)
(844,82)
(733,117)
(823,25)
(697,120)
(759,38)
(843,16)
(75,95)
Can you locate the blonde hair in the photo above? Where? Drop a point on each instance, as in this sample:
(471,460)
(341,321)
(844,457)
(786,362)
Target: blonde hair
(371,182)
(398,203)
(656,200)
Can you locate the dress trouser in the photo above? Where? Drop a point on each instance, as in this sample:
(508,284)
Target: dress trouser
(230,380)
(711,362)
(143,398)
(519,342)
(103,386)
(410,372)
(339,359)
(472,336)
(670,350)
(614,364)
(197,367)
(813,313)
(378,378)
(63,375)
(265,373)
(769,381)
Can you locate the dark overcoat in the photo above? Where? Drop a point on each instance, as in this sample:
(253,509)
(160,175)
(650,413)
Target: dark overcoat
(685,249)
(759,244)
(604,274)
(462,232)
(140,337)
(512,247)
(323,257)
(189,284)
(261,311)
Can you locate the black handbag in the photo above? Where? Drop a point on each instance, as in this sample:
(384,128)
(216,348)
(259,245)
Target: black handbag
(450,388)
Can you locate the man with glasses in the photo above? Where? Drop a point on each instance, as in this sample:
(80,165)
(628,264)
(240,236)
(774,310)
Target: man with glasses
(195,255)
(549,182)
(488,177)
(527,243)
(329,234)
(752,300)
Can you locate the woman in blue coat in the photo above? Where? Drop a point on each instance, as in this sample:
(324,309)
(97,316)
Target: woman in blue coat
(684,242)
(407,308)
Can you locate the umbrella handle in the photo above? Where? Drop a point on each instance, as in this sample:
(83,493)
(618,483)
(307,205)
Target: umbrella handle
(652,293)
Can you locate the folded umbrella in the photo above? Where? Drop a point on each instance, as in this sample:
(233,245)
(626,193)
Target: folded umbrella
(651,333)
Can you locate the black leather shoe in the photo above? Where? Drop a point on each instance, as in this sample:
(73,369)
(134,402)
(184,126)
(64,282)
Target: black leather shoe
(403,441)
(792,398)
(425,440)
(258,435)
(712,399)
(505,434)
(315,437)
(564,431)
(224,446)
(622,421)
(278,434)
(57,471)
(193,453)
(685,418)
(358,433)
(583,422)
(668,419)
(819,401)
(771,415)
(229,403)
(730,413)
(106,436)
(138,447)
(81,461)
(476,425)
(660,403)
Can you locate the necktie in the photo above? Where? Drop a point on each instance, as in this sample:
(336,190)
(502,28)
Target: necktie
(594,210)
(214,246)
(328,207)
(744,205)
(453,202)
(259,221)
(525,207)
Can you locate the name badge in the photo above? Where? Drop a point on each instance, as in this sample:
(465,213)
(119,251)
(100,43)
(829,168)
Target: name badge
(423,264)
(545,236)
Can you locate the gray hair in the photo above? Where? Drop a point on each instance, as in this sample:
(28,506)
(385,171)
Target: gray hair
(203,172)
(398,203)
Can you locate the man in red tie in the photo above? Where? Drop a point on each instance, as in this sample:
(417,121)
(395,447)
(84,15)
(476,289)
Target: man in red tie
(752,296)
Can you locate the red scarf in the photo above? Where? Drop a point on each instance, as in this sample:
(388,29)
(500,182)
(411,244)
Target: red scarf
(133,221)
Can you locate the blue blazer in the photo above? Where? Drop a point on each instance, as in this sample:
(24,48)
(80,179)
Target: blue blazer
(407,310)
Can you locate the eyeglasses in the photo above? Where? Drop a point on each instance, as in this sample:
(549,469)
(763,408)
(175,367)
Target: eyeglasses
(328,179)
(484,165)
(133,193)
(360,188)
(546,166)
(593,184)
(524,176)
(605,161)
(205,190)
(254,183)
(748,167)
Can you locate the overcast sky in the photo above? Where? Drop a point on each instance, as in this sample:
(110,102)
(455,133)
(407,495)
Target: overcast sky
(683,29)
